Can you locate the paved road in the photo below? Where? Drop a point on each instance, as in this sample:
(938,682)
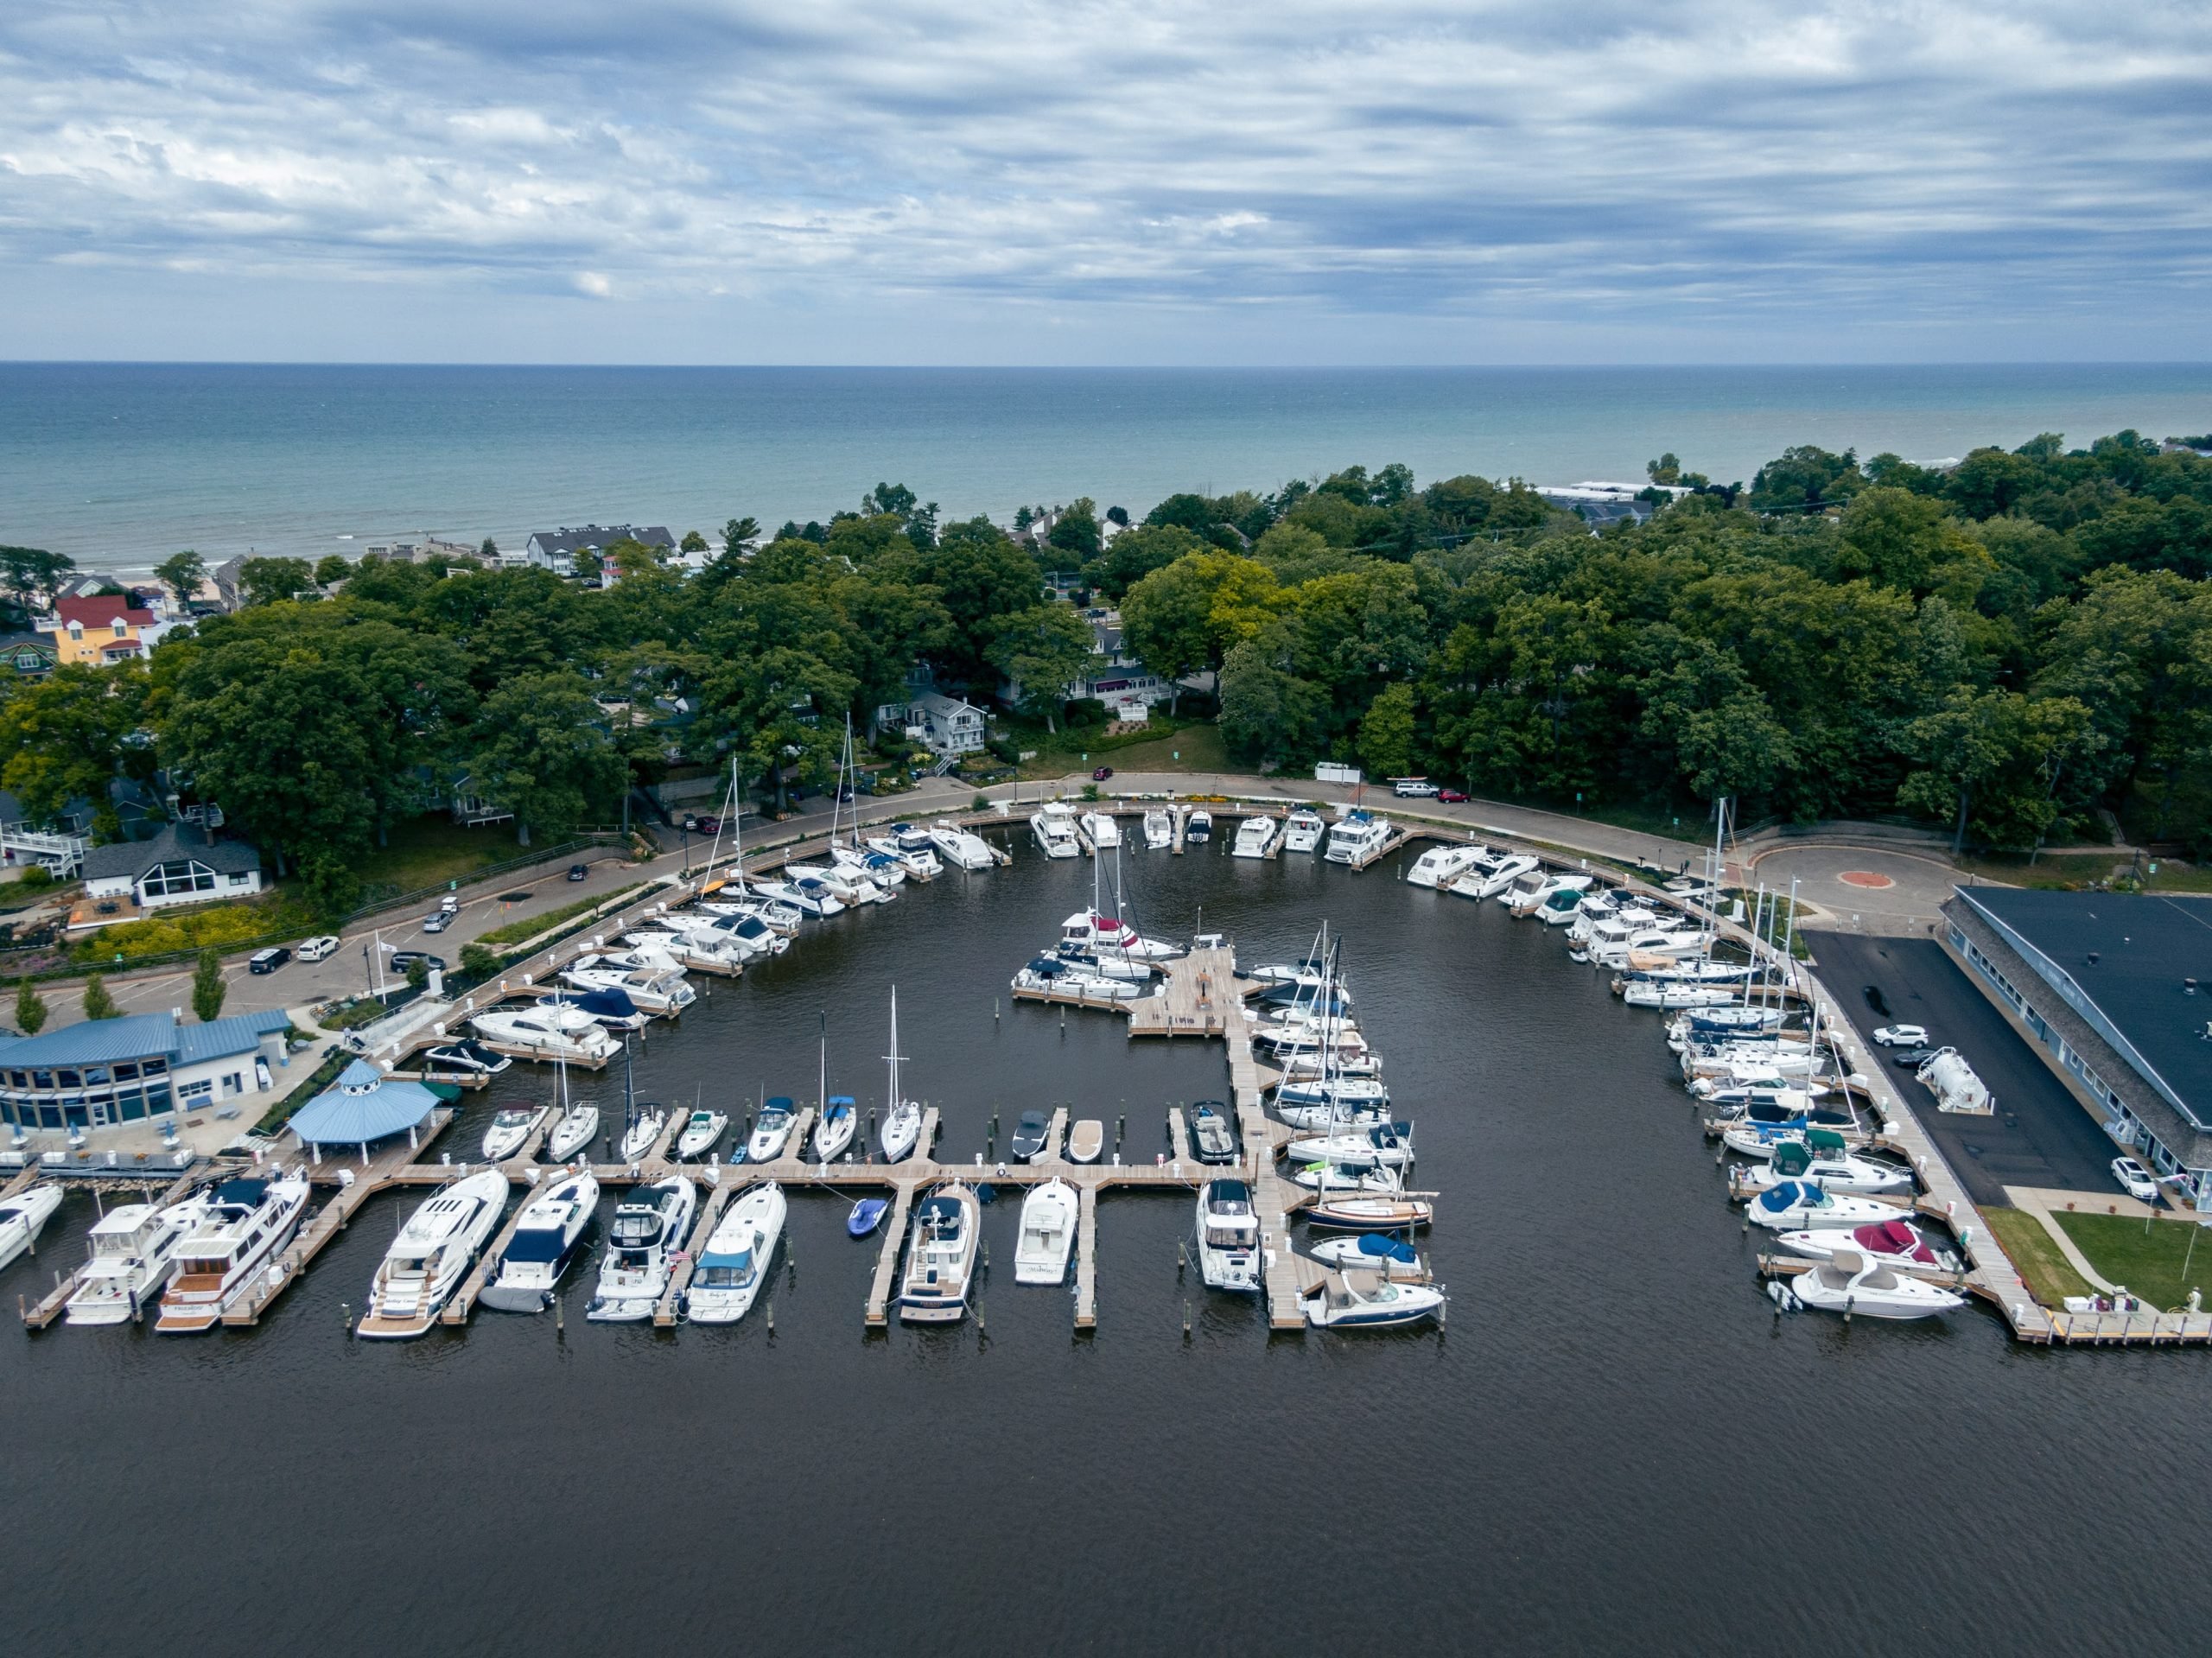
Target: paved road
(2040,1136)
(1917,883)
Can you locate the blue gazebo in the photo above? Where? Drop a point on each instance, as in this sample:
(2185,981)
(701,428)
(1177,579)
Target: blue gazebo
(363,1106)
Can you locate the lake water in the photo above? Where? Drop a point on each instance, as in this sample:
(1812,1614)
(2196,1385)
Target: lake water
(1615,1446)
(120,464)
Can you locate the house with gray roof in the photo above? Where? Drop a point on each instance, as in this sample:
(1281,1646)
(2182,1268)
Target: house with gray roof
(557,550)
(183,864)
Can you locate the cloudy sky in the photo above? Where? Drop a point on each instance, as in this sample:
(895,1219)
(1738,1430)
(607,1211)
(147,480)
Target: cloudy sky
(978,181)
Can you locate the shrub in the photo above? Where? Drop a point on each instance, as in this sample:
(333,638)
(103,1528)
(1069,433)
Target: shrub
(30,1009)
(36,878)
(1085,714)
(479,961)
(981,803)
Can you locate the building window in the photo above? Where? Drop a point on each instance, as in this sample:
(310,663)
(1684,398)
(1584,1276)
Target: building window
(187,1093)
(43,1079)
(241,878)
(167,881)
(156,1067)
(126,1072)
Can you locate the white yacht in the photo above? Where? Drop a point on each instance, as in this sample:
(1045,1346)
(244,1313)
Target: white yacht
(1198,827)
(641,1131)
(245,1224)
(510,1129)
(1302,830)
(1357,838)
(913,848)
(1255,837)
(1053,825)
(548,1234)
(702,947)
(1442,865)
(1048,1224)
(1329,1178)
(702,1131)
(648,1228)
(1529,902)
(24,1217)
(1651,993)
(1801,1205)
(959,847)
(1831,1171)
(577,1127)
(866,863)
(548,1033)
(851,887)
(1489,880)
(834,1127)
(806,895)
(1851,1282)
(1089,933)
(737,1258)
(1229,1237)
(432,1254)
(940,1257)
(771,1130)
(1357,1213)
(1894,1243)
(657,990)
(1158,831)
(1359,1299)
(772,913)
(132,1253)
(1386,1145)
(1105,834)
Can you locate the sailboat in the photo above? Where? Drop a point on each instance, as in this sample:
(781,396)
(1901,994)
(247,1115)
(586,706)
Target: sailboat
(641,1129)
(574,1128)
(847,857)
(902,1122)
(833,1128)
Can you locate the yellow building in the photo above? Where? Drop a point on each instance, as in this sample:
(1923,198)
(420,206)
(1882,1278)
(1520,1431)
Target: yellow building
(100,630)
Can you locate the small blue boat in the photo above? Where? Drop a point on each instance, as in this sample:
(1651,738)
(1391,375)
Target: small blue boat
(866,1216)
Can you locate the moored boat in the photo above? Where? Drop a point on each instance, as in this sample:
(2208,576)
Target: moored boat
(771,1131)
(702,1131)
(940,1257)
(736,1260)
(1086,1140)
(1229,1237)
(23,1217)
(432,1254)
(1853,1283)
(132,1251)
(648,1229)
(510,1129)
(1048,1227)
(1360,1299)
(546,1239)
(246,1223)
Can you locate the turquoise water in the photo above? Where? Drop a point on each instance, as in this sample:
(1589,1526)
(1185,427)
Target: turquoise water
(120,465)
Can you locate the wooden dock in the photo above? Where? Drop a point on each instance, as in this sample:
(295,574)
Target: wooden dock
(1203,992)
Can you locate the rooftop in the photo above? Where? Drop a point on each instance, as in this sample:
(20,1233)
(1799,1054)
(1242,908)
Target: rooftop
(174,842)
(101,610)
(137,1036)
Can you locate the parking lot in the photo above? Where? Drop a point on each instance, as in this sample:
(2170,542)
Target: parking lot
(2040,1134)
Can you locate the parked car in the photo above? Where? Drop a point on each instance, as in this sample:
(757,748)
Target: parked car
(402,960)
(1914,1058)
(709,824)
(2135,1179)
(449,904)
(1415,789)
(436,921)
(1101,774)
(579,871)
(314,949)
(1452,797)
(268,961)
(1902,1036)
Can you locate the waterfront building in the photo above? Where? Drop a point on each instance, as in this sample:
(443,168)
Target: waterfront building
(557,550)
(106,628)
(108,1073)
(182,864)
(2116,987)
(949,726)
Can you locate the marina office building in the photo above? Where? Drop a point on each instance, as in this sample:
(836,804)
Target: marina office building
(110,1072)
(2115,986)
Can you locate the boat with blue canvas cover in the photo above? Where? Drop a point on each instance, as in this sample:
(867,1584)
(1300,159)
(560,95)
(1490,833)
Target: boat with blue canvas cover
(738,1258)
(1803,1205)
(1378,1252)
(868,1214)
(546,1240)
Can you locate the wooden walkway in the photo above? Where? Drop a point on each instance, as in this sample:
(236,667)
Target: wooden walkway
(1203,994)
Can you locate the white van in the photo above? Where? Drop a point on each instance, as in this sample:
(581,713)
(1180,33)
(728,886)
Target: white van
(315,948)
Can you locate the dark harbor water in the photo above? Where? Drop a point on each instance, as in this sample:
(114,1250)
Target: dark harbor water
(1614,1447)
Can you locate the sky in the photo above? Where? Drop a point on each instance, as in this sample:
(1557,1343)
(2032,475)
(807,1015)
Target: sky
(918,182)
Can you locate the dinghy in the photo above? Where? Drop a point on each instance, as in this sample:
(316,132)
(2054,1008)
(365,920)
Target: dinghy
(1048,1225)
(1086,1140)
(868,1214)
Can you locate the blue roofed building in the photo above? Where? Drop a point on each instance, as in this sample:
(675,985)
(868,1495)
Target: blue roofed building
(113,1072)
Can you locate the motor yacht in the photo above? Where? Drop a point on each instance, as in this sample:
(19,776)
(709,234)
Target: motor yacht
(1534,898)
(747,936)
(1158,831)
(738,1258)
(961,848)
(131,1251)
(1851,1281)
(542,1032)
(1559,906)
(806,895)
(912,849)
(577,1127)
(1354,1213)
(1442,865)
(702,947)
(1212,1136)
(1057,977)
(548,1235)
(1105,834)
(1832,1171)
(510,1129)
(648,1228)
(610,1007)
(940,1257)
(464,1059)
(1086,1140)
(642,1128)
(1048,1225)
(886,869)
(1255,837)
(1482,883)
(1356,839)
(655,990)
(702,1131)
(852,888)
(834,1129)
(1893,1242)
(1198,827)
(1302,830)
(771,1130)
(1802,1206)
(1053,826)
(1030,1131)
(246,1221)
(1229,1237)
(432,1254)
(23,1217)
(773,913)
(1386,1145)
(1374,1252)
(1360,1299)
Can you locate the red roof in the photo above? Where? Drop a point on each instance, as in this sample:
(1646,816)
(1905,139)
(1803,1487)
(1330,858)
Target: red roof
(100,611)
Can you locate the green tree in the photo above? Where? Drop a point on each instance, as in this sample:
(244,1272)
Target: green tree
(1186,618)
(1136,553)
(330,569)
(1268,712)
(738,537)
(1075,532)
(271,581)
(30,1009)
(182,573)
(980,577)
(693,542)
(30,575)
(1043,650)
(65,739)
(1806,477)
(208,989)
(98,1003)
(1386,735)
(489,550)
(539,752)
(1665,470)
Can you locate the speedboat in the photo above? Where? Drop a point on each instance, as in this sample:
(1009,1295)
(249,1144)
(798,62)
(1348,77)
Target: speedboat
(1800,1205)
(1302,830)
(960,847)
(912,847)
(431,1255)
(738,1258)
(1212,1138)
(806,895)
(867,1214)
(849,885)
(654,990)
(941,1257)
(1255,837)
(1198,827)
(1559,906)
(1893,1242)
(1442,865)
(23,1218)
(577,1128)
(771,1131)
(1375,1252)
(1086,1140)
(648,1229)
(1048,1223)
(132,1253)
(1158,831)
(1029,1136)
(1105,834)
(465,1059)
(244,1225)
(544,1033)
(1103,936)
(543,1245)
(1387,1145)
(1368,1214)
(1359,1299)
(866,863)
(510,1129)
(1851,1282)
(1357,838)
(610,1004)
(1229,1237)
(774,913)
(1831,1171)
(1480,883)
(834,1129)
(643,1131)
(1054,825)
(702,1131)
(1534,899)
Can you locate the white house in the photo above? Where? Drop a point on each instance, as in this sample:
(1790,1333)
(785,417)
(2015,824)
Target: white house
(182,865)
(947,725)
(557,550)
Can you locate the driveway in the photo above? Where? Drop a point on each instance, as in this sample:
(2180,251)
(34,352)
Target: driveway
(2040,1134)
(1889,891)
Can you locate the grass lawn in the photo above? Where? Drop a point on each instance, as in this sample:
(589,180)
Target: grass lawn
(1200,744)
(2042,1265)
(515,931)
(430,850)
(2148,1261)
